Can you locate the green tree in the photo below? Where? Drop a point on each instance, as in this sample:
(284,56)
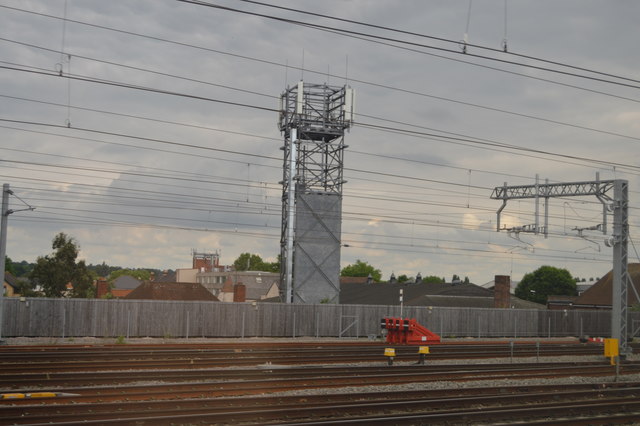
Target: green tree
(8,266)
(546,281)
(361,269)
(253,262)
(403,278)
(103,270)
(26,288)
(139,274)
(432,279)
(23,268)
(53,272)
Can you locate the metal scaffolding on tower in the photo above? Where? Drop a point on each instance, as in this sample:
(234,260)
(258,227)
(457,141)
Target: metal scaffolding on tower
(313,119)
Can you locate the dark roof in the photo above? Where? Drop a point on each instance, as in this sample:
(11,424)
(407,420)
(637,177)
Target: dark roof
(257,283)
(600,293)
(443,295)
(353,280)
(126,282)
(11,280)
(166,277)
(150,290)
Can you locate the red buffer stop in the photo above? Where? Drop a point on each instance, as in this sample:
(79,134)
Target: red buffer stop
(407,331)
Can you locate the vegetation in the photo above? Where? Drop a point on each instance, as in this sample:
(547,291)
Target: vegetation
(139,274)
(546,281)
(403,278)
(253,262)
(361,269)
(432,279)
(53,272)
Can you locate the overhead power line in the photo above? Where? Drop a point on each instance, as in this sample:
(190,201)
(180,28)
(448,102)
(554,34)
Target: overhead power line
(421,45)
(136,87)
(442,39)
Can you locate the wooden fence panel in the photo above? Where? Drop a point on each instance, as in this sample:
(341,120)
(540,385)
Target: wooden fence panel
(56,318)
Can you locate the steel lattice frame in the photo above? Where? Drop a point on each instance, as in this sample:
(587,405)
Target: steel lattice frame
(619,205)
(313,119)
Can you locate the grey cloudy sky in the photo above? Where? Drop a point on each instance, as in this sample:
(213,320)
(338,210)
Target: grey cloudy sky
(139,178)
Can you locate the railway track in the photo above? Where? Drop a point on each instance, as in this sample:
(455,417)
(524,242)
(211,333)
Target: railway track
(472,405)
(196,385)
(212,356)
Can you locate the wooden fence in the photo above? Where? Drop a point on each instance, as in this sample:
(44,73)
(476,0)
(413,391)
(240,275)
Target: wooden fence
(46,317)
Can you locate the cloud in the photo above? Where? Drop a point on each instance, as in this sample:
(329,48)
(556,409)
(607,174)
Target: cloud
(417,196)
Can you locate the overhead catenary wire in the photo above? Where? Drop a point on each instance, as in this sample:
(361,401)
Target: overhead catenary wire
(442,39)
(422,45)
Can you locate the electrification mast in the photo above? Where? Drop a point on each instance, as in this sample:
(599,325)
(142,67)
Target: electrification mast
(618,205)
(313,119)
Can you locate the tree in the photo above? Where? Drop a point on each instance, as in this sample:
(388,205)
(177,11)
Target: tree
(53,272)
(103,270)
(361,269)
(26,288)
(23,268)
(432,279)
(253,262)
(546,281)
(8,266)
(403,278)
(139,274)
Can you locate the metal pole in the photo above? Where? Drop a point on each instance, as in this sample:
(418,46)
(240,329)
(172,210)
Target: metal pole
(537,198)
(291,216)
(3,245)
(64,319)
(546,210)
(620,259)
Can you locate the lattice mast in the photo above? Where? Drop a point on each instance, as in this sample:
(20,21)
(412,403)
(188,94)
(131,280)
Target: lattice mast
(313,119)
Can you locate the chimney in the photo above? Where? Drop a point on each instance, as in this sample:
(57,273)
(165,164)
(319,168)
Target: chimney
(102,288)
(369,279)
(419,278)
(392,278)
(239,293)
(502,291)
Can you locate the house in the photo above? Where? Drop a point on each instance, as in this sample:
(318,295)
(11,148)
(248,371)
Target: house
(599,295)
(490,285)
(123,285)
(151,290)
(356,280)
(258,285)
(458,295)
(166,276)
(10,285)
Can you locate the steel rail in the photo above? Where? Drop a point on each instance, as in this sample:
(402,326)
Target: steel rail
(31,412)
(51,378)
(266,385)
(429,409)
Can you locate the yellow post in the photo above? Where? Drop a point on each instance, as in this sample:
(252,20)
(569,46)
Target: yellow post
(422,350)
(611,349)
(390,353)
